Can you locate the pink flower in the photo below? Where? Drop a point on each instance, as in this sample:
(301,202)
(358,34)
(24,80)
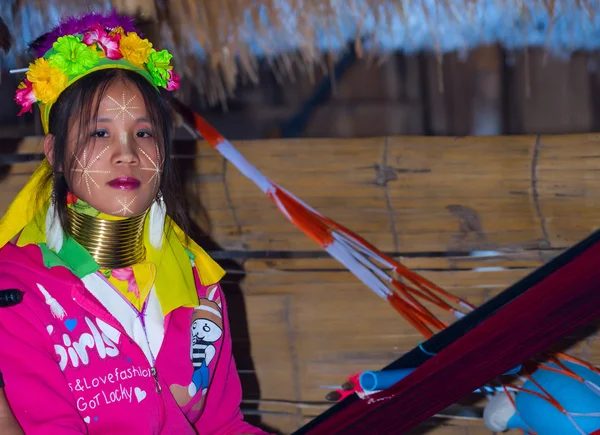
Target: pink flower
(173,82)
(25,97)
(127,274)
(109,43)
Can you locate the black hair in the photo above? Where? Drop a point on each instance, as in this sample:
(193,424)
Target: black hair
(78,106)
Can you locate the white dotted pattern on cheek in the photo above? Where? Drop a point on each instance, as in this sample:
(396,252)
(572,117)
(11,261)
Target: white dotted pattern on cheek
(125,206)
(123,107)
(86,171)
(155,167)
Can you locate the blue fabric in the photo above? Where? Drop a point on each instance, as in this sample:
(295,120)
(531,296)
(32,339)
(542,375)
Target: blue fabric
(573,395)
(200,378)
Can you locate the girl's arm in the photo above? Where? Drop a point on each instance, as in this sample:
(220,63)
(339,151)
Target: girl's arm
(222,414)
(31,372)
(8,424)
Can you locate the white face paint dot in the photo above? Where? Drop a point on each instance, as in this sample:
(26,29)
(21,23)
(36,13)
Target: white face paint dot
(50,329)
(155,168)
(86,171)
(123,107)
(125,206)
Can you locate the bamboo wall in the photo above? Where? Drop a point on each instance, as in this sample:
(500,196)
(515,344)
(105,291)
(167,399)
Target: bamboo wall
(303,323)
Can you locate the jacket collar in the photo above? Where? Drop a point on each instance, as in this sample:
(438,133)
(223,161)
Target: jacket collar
(174,284)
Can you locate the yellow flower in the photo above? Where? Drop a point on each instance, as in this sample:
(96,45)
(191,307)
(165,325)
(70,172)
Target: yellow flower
(117,31)
(48,81)
(135,49)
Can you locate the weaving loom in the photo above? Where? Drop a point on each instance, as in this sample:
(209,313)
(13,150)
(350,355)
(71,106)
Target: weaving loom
(523,320)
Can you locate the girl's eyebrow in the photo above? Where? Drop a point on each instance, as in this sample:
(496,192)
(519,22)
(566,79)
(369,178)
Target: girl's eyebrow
(104,119)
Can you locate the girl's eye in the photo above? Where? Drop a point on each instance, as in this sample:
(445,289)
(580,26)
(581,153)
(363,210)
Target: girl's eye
(143,134)
(100,133)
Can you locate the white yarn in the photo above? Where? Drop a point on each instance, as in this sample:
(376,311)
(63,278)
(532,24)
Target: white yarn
(54,232)
(592,386)
(57,310)
(498,412)
(158,214)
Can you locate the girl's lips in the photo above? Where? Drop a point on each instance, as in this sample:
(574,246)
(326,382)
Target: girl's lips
(125,183)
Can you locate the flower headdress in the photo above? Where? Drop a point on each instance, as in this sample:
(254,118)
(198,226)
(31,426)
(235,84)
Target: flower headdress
(80,46)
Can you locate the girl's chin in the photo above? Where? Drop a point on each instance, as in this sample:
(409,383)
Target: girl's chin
(122,203)
(124,207)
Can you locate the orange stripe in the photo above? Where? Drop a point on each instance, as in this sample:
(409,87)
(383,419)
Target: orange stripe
(306,220)
(419,309)
(208,132)
(548,397)
(576,360)
(409,315)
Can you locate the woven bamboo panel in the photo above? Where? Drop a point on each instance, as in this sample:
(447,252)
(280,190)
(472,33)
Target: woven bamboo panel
(310,323)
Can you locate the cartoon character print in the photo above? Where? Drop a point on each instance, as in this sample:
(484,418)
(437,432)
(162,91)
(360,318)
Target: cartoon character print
(206,329)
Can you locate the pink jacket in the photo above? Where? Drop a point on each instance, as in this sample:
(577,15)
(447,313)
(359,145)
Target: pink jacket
(77,359)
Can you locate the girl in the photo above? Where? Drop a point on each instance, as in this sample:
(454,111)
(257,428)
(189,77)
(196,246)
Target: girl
(123,327)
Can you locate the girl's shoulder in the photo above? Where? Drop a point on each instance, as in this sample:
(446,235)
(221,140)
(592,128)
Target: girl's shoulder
(29,262)
(19,263)
(23,269)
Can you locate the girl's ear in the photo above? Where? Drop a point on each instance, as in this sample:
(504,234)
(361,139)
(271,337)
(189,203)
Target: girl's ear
(49,148)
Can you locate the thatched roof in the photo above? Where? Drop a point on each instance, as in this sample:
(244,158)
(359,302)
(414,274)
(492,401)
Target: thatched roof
(230,35)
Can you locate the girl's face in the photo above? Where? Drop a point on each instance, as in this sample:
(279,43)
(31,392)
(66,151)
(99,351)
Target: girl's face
(118,171)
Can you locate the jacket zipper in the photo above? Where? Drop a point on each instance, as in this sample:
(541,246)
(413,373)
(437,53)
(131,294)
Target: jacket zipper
(153,370)
(155,376)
